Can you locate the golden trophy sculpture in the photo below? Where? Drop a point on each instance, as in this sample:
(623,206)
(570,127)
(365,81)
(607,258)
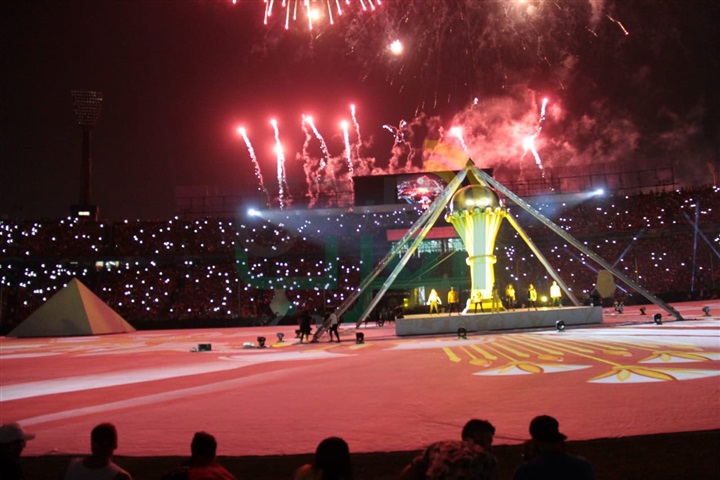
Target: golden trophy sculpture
(476,212)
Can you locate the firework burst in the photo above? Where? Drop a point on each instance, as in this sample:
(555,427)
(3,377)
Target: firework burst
(312,13)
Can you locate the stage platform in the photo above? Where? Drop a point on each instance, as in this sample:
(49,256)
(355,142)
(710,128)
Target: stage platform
(627,376)
(439,323)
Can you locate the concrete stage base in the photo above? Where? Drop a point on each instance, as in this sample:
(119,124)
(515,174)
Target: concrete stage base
(429,324)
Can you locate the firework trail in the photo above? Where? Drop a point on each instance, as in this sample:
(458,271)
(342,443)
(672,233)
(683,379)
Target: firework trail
(619,24)
(323,146)
(529,142)
(348,150)
(310,167)
(282,179)
(348,155)
(398,133)
(363,166)
(254,159)
(398,145)
(457,132)
(358,143)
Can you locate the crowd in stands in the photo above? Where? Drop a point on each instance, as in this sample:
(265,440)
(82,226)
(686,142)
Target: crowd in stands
(177,270)
(469,457)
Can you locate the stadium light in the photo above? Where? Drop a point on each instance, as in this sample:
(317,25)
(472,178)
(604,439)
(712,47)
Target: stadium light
(87,105)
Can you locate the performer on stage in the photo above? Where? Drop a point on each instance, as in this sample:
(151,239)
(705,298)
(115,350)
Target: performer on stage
(555,294)
(434,301)
(495,299)
(510,296)
(532,297)
(333,322)
(453,301)
(477,300)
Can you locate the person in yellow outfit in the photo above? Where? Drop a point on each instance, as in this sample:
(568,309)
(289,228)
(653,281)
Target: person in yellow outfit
(434,301)
(477,300)
(510,296)
(453,301)
(532,297)
(555,294)
(495,299)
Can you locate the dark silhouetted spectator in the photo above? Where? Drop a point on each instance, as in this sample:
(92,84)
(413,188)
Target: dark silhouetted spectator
(332,462)
(99,464)
(12,442)
(469,458)
(202,464)
(546,458)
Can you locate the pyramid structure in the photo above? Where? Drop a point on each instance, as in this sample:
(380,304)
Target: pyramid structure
(415,235)
(74,310)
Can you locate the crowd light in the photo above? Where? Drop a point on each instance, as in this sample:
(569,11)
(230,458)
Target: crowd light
(287,249)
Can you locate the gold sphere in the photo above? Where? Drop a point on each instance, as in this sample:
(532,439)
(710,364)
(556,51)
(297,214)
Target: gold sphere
(475,196)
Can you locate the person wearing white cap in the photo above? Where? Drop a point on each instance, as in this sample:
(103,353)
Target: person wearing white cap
(12,442)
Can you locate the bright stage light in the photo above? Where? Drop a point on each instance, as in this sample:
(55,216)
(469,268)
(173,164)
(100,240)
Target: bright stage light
(599,191)
(396,47)
(252,212)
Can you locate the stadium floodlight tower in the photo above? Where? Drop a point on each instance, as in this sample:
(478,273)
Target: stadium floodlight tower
(476,212)
(87,105)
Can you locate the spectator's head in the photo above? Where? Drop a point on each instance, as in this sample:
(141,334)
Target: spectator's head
(480,432)
(13,439)
(203,445)
(546,429)
(332,457)
(103,440)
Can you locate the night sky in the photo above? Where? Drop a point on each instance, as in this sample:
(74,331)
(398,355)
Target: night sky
(630,84)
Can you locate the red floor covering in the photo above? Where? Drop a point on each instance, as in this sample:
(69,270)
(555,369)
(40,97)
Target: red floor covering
(625,377)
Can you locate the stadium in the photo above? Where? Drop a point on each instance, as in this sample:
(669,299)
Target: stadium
(369,221)
(211,301)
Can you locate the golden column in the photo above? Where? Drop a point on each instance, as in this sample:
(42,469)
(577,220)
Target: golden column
(476,212)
